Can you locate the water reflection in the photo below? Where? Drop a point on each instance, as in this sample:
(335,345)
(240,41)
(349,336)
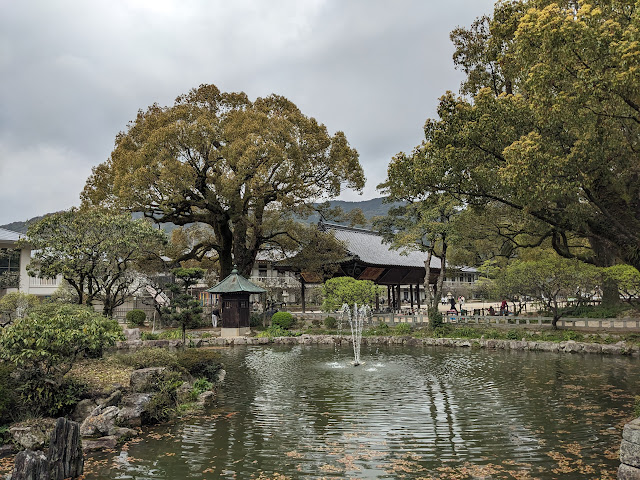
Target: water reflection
(405,413)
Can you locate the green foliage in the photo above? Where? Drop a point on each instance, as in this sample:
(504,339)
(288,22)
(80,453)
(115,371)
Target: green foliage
(9,399)
(164,403)
(572,335)
(636,409)
(200,386)
(149,336)
(200,362)
(381,330)
(184,309)
(95,251)
(16,305)
(402,329)
(136,318)
(596,311)
(346,290)
(149,357)
(50,399)
(45,344)
(274,331)
(283,319)
(255,320)
(172,334)
(435,318)
(331,323)
(267,149)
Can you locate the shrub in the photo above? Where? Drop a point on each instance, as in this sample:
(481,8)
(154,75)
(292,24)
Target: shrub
(282,319)
(149,336)
(200,362)
(8,397)
(149,357)
(49,399)
(467,332)
(274,331)
(435,318)
(201,385)
(173,334)
(381,330)
(637,406)
(315,323)
(572,335)
(402,329)
(164,402)
(331,323)
(255,321)
(136,318)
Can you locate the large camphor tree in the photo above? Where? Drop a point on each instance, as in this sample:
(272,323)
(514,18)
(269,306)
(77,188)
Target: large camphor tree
(547,127)
(242,169)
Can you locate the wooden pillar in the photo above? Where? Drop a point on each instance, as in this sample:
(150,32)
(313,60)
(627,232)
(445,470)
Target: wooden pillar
(302,289)
(411,295)
(377,300)
(418,295)
(389,296)
(393,298)
(399,298)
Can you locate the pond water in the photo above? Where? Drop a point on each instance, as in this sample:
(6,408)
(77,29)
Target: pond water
(414,413)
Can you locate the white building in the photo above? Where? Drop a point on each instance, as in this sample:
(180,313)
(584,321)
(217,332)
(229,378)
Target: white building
(13,269)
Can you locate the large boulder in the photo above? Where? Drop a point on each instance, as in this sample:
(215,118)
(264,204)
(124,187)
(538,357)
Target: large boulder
(33,435)
(65,451)
(83,409)
(102,421)
(145,379)
(30,465)
(132,407)
(131,334)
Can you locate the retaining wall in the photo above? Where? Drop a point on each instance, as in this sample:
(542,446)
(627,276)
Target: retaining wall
(630,452)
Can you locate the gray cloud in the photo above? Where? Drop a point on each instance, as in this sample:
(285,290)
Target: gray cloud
(74,73)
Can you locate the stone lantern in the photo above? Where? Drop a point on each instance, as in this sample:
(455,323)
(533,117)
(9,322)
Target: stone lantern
(234,292)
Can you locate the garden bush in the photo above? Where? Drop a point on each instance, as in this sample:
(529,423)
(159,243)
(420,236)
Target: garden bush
(173,334)
(402,329)
(255,321)
(274,331)
(165,400)
(283,320)
(8,396)
(149,357)
(136,318)
(149,336)
(435,318)
(200,362)
(381,330)
(331,323)
(201,385)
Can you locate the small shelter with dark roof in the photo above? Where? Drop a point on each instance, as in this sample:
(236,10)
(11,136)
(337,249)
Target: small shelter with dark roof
(234,292)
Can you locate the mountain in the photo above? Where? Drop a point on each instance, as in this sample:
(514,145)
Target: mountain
(370,208)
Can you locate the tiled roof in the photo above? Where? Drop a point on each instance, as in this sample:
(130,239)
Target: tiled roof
(9,235)
(236,283)
(369,248)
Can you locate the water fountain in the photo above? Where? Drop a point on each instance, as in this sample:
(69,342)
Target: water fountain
(356,322)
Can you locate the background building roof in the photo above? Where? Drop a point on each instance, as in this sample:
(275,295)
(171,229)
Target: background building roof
(369,248)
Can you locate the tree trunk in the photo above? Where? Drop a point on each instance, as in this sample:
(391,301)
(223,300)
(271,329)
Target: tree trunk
(302,298)
(428,293)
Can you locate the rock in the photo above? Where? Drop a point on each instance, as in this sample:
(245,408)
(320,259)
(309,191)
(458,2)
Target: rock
(220,374)
(131,334)
(32,436)
(101,443)
(7,450)
(122,433)
(627,472)
(132,407)
(65,451)
(83,409)
(630,453)
(631,431)
(145,379)
(30,465)
(613,349)
(101,422)
(112,400)
(206,398)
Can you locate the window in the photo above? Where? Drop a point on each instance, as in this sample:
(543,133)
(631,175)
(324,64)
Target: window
(9,260)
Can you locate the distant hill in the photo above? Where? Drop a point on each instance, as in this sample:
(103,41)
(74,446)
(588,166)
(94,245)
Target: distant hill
(370,208)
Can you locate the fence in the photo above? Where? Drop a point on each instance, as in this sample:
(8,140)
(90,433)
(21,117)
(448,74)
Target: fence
(501,321)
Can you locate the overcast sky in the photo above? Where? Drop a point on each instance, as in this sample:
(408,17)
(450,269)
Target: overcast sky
(74,72)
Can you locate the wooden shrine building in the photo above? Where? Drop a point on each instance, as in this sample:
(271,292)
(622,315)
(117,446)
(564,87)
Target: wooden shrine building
(369,258)
(234,292)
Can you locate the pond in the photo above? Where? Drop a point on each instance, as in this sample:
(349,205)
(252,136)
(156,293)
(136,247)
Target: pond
(414,413)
